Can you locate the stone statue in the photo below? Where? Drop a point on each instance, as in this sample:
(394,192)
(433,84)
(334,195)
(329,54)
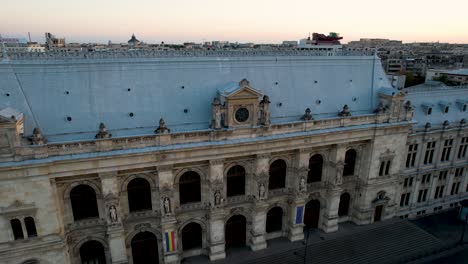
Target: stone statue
(162,129)
(167,205)
(307,115)
(302,184)
(216,119)
(103,133)
(339,173)
(217,198)
(37,138)
(408,106)
(265,111)
(113,214)
(380,109)
(261,190)
(345,112)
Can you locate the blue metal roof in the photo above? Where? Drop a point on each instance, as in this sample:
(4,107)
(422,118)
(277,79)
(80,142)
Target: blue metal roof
(130,95)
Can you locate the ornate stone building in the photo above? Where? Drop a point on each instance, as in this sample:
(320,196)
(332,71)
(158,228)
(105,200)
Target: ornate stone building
(130,160)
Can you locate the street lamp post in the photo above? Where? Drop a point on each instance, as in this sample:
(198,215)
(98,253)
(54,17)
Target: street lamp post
(463,216)
(306,244)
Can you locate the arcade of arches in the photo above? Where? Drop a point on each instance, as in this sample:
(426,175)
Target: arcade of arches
(194,237)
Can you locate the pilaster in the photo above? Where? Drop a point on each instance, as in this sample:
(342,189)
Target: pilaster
(115,231)
(216,221)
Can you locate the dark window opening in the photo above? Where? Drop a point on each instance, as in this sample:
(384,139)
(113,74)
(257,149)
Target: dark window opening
(191,236)
(189,188)
(235,231)
(236,181)
(350,162)
(139,195)
(30,226)
(145,248)
(274,220)
(277,173)
(343,208)
(315,169)
(17,229)
(84,203)
(92,252)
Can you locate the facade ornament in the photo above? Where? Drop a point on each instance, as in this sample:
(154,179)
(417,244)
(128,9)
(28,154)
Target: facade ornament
(408,106)
(339,173)
(244,83)
(446,124)
(113,214)
(167,205)
(380,109)
(302,184)
(307,115)
(427,126)
(261,191)
(103,133)
(265,111)
(345,112)
(37,138)
(217,198)
(162,129)
(217,115)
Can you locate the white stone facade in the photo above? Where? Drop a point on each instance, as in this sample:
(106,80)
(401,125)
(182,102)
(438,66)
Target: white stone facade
(282,189)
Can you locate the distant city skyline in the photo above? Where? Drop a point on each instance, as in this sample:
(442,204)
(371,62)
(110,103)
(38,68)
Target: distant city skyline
(242,21)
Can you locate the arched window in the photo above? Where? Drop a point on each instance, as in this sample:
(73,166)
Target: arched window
(235,181)
(235,231)
(84,203)
(30,226)
(139,195)
(92,252)
(145,248)
(277,173)
(17,229)
(191,236)
(274,220)
(350,162)
(189,188)
(343,208)
(315,168)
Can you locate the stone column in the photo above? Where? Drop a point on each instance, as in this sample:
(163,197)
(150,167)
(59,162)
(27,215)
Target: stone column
(298,200)
(168,220)
(330,217)
(115,231)
(259,211)
(216,217)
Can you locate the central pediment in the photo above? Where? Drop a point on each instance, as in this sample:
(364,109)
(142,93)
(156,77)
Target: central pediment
(240,90)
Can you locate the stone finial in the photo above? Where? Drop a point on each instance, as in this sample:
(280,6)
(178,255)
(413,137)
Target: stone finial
(446,124)
(408,106)
(265,111)
(103,133)
(380,109)
(162,129)
(428,126)
(37,138)
(463,122)
(216,114)
(244,83)
(345,111)
(307,115)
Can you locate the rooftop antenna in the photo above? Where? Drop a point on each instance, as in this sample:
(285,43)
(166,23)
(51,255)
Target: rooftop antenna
(29,35)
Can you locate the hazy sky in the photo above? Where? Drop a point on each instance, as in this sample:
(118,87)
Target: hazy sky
(261,21)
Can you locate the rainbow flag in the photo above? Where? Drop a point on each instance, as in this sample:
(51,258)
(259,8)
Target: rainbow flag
(170,241)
